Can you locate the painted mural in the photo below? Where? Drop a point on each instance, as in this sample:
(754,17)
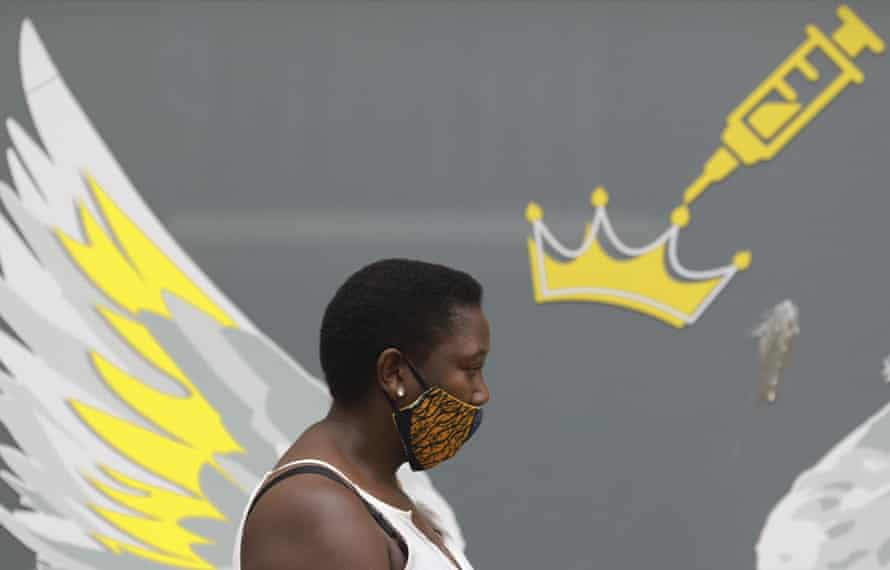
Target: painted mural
(139,395)
(650,280)
(834,516)
(145,406)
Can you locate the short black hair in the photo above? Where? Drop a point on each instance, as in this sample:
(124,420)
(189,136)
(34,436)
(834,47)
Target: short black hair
(391,303)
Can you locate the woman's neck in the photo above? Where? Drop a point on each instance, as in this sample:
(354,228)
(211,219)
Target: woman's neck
(366,439)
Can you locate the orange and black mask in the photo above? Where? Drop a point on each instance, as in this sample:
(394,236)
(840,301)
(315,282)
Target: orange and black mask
(435,425)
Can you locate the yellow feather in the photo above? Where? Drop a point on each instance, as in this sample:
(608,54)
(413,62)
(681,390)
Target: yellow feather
(190,431)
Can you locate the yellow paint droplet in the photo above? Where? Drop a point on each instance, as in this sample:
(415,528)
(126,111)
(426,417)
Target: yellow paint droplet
(680,216)
(533,212)
(599,197)
(742,260)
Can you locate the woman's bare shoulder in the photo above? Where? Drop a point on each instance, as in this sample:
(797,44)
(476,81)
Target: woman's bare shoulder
(308,521)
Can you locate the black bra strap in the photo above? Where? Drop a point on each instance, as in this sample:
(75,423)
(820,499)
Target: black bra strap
(328,473)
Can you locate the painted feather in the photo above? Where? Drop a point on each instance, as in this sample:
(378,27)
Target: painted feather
(143,404)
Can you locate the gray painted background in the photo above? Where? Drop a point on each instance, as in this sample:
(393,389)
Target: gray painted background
(287,144)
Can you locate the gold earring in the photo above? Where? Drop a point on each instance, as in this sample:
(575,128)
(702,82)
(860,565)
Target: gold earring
(400,391)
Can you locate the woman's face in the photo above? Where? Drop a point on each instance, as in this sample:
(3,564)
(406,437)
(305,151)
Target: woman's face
(456,363)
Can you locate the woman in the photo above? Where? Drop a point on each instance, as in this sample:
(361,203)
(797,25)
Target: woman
(403,344)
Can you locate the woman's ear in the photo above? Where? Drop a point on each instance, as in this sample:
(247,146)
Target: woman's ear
(389,378)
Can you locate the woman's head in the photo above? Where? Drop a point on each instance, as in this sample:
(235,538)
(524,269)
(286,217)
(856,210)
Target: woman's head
(397,309)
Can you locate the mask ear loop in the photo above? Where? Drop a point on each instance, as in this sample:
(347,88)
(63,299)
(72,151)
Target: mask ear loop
(392,404)
(417,375)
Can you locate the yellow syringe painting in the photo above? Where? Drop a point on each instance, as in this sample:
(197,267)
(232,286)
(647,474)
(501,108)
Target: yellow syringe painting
(773,114)
(650,280)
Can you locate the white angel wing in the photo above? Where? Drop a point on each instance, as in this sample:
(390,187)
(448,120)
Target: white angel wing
(836,513)
(139,396)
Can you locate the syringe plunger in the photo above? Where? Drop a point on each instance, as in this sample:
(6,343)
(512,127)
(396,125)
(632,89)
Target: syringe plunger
(854,35)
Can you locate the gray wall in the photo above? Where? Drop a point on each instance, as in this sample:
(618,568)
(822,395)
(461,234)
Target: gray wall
(612,440)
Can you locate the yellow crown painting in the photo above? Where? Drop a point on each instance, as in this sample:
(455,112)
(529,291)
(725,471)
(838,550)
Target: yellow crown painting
(650,280)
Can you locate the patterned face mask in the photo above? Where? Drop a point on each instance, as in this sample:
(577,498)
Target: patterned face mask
(435,425)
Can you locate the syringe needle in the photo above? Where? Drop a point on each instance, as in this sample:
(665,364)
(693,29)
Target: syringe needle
(720,165)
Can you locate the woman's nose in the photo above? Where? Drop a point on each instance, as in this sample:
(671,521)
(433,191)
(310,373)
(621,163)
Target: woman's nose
(481,395)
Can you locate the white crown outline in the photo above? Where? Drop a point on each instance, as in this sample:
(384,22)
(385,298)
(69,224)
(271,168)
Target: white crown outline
(601,220)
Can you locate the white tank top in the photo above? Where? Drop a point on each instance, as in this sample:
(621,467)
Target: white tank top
(423,554)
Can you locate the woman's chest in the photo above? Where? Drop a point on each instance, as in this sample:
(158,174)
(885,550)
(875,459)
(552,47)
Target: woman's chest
(430,552)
